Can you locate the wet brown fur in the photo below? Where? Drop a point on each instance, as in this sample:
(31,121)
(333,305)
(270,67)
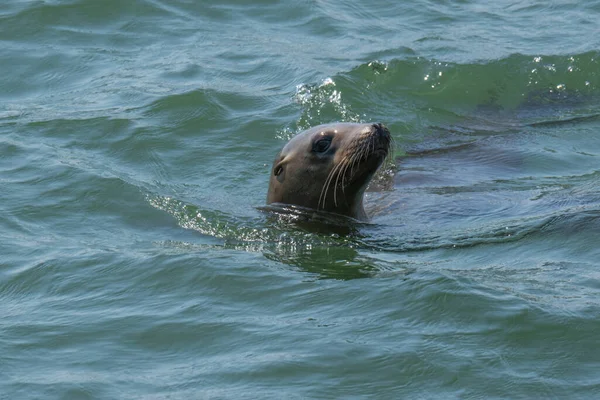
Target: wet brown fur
(335,180)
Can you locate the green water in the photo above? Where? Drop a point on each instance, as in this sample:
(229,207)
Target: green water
(136,142)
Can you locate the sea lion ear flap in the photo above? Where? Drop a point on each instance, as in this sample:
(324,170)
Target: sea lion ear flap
(279,171)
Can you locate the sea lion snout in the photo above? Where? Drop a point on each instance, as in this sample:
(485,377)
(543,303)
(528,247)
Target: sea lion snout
(380,129)
(382,138)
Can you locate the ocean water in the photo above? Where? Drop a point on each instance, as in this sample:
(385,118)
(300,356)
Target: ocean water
(136,142)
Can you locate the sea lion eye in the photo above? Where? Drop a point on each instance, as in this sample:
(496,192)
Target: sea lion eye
(321,145)
(278,169)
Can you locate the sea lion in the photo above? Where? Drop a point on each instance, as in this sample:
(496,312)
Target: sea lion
(328,167)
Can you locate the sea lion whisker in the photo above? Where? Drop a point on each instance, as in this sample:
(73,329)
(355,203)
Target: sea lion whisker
(347,163)
(355,160)
(364,154)
(324,189)
(336,186)
(326,185)
(352,162)
(373,144)
(340,174)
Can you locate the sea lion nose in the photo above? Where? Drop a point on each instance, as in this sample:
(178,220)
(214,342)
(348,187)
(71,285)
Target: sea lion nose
(380,129)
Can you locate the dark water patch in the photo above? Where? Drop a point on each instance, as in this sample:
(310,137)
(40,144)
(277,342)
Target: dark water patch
(203,110)
(35,73)
(569,121)
(85,133)
(76,15)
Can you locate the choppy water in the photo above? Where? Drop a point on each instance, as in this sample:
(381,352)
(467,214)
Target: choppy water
(136,140)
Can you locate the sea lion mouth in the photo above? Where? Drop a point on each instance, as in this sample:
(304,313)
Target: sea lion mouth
(363,156)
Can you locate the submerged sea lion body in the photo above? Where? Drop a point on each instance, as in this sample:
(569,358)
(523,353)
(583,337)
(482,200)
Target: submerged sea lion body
(328,167)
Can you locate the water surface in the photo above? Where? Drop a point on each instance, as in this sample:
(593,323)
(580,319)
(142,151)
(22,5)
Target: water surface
(136,142)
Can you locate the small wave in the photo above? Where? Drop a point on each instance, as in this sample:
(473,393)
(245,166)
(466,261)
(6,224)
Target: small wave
(514,91)
(322,102)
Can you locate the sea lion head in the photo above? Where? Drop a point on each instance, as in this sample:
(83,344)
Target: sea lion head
(328,167)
